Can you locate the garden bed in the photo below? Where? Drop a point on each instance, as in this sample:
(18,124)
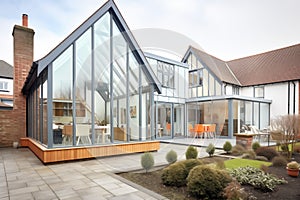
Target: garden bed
(152,181)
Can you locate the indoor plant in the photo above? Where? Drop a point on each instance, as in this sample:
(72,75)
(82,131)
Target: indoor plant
(293,168)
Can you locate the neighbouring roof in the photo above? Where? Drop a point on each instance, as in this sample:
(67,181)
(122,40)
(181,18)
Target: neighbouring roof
(6,70)
(217,66)
(270,67)
(275,66)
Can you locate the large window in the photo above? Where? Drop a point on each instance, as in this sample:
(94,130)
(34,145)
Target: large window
(165,74)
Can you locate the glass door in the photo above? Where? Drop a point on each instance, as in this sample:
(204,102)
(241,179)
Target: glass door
(164,120)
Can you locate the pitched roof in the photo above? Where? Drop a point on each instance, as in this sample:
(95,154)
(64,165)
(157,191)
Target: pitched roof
(6,70)
(270,67)
(217,66)
(111,7)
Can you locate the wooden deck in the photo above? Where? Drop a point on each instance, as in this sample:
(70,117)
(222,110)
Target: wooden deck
(76,153)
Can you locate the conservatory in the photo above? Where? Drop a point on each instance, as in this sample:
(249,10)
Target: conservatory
(94,88)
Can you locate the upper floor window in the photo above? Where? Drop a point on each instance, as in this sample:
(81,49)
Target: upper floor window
(3,86)
(259,92)
(235,90)
(195,78)
(165,74)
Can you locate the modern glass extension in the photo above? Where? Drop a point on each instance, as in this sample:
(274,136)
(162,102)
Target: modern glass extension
(96,91)
(98,88)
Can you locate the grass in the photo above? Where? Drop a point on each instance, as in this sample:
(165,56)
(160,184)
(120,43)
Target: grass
(238,162)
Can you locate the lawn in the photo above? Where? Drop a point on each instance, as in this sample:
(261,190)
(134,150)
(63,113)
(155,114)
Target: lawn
(239,162)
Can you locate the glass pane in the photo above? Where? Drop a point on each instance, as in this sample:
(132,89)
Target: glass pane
(164,116)
(211,85)
(248,113)
(83,89)
(45,113)
(259,92)
(62,93)
(256,114)
(102,79)
(205,82)
(179,120)
(218,88)
(264,115)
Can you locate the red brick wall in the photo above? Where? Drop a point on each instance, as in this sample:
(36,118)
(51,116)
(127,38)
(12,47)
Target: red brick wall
(13,122)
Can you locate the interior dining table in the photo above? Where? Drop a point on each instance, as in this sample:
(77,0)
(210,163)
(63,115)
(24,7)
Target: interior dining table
(101,130)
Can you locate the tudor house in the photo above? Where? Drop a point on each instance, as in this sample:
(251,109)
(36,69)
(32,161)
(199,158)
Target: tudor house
(98,90)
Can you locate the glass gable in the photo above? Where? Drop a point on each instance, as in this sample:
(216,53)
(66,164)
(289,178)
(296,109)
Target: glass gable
(98,94)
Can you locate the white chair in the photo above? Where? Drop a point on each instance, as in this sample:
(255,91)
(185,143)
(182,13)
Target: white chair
(83,134)
(107,133)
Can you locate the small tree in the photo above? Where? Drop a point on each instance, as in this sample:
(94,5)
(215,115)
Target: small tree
(227,147)
(171,157)
(210,149)
(288,126)
(255,146)
(191,153)
(147,161)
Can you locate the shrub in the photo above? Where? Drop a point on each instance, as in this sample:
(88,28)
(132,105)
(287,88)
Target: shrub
(227,147)
(279,161)
(210,149)
(267,152)
(191,153)
(255,146)
(147,161)
(174,175)
(238,150)
(205,182)
(234,191)
(261,158)
(171,157)
(256,178)
(249,154)
(191,163)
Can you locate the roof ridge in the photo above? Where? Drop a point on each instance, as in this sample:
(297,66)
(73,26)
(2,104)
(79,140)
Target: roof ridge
(266,52)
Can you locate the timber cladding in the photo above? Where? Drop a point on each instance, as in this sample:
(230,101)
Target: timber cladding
(77,153)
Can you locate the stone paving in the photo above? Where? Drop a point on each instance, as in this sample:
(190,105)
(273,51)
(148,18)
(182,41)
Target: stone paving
(23,176)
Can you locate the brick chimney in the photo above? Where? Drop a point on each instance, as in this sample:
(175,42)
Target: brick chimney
(25,20)
(23,59)
(13,122)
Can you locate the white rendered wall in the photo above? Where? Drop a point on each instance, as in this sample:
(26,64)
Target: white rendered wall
(278,93)
(246,91)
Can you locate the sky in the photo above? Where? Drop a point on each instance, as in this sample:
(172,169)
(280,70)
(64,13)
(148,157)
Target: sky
(227,29)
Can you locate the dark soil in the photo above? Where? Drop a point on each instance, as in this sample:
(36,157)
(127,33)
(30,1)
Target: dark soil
(152,181)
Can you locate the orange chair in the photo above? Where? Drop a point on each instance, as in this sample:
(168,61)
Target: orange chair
(212,130)
(199,130)
(168,128)
(191,130)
